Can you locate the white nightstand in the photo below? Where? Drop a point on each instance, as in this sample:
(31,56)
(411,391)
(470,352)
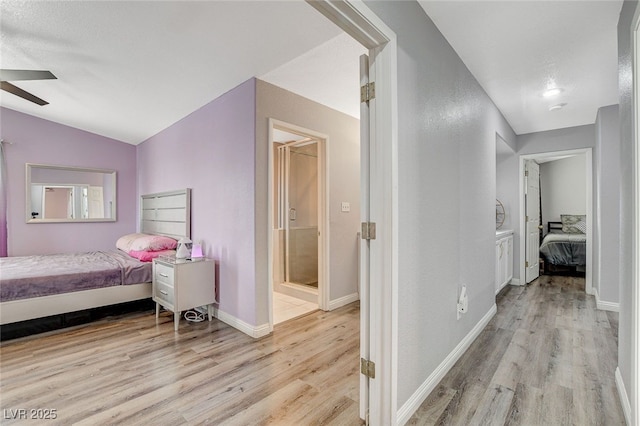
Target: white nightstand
(180,285)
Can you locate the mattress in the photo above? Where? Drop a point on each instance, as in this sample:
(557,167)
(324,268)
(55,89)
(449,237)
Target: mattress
(565,249)
(43,275)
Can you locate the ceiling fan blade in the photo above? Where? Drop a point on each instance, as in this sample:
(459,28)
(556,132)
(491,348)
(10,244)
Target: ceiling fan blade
(8,87)
(15,75)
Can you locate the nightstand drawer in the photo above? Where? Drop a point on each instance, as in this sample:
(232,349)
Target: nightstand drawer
(164,292)
(164,274)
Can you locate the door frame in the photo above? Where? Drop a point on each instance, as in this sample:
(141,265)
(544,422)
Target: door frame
(588,152)
(324,284)
(357,20)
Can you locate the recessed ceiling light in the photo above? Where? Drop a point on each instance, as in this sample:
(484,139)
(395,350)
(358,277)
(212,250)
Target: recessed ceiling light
(557,107)
(552,92)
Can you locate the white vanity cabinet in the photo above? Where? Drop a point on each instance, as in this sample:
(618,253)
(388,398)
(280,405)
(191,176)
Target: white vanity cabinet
(182,285)
(504,258)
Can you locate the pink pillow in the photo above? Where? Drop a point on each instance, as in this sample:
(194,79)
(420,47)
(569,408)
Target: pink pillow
(145,242)
(148,256)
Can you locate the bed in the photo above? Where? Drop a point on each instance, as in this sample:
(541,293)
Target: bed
(564,251)
(41,286)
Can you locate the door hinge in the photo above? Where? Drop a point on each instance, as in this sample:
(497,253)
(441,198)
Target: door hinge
(526,218)
(526,172)
(368,368)
(368,230)
(526,264)
(367,92)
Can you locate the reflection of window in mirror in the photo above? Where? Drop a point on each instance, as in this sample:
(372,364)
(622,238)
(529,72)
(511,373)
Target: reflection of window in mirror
(69,194)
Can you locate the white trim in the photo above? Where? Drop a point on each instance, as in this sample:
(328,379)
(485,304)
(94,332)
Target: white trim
(355,18)
(342,301)
(255,331)
(55,304)
(604,305)
(419,396)
(624,397)
(515,281)
(588,152)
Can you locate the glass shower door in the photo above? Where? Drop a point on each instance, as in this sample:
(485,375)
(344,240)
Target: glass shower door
(300,222)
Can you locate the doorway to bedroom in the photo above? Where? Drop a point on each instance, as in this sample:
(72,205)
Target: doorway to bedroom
(561,241)
(297,173)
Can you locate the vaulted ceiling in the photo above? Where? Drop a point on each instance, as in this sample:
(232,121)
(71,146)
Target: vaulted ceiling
(129,69)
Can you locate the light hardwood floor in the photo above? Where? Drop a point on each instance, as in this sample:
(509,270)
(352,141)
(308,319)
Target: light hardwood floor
(129,370)
(547,358)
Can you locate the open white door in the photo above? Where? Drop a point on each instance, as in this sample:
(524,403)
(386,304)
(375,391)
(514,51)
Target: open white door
(532,219)
(365,210)
(378,162)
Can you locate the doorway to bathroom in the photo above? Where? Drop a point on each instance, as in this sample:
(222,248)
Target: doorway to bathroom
(297,243)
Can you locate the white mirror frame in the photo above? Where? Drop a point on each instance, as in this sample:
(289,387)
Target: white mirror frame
(28,197)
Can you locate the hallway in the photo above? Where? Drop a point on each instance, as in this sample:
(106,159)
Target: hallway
(547,357)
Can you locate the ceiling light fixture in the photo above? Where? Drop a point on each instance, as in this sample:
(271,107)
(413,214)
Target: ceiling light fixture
(549,93)
(557,107)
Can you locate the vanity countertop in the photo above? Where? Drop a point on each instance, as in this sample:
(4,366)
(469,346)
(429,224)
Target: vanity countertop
(503,233)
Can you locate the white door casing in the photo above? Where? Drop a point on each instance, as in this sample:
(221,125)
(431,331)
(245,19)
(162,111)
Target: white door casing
(588,157)
(356,19)
(324,284)
(364,244)
(532,219)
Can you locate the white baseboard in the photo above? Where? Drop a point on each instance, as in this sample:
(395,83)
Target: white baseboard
(515,281)
(342,301)
(251,330)
(408,408)
(604,305)
(624,398)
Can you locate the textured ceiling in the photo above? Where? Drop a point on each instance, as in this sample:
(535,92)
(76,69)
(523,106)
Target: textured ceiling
(518,49)
(129,69)
(328,74)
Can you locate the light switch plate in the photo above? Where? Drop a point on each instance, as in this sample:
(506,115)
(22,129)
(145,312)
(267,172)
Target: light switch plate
(346,206)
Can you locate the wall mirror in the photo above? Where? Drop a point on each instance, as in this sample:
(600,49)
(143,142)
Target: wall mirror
(69,194)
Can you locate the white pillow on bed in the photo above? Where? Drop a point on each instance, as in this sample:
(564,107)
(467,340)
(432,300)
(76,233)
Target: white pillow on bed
(145,242)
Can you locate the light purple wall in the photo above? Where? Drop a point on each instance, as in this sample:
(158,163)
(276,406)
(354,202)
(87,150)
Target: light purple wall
(212,151)
(35,140)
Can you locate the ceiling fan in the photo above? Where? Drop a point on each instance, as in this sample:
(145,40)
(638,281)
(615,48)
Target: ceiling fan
(14,75)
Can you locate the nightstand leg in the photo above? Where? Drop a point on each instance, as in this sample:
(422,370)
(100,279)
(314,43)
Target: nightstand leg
(157,310)
(176,320)
(210,311)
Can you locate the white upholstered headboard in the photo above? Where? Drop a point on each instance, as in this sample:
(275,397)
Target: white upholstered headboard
(166,213)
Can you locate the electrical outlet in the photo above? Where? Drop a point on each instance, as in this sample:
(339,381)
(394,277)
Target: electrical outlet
(462,305)
(346,207)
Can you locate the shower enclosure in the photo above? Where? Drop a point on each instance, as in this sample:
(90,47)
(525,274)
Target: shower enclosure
(297,213)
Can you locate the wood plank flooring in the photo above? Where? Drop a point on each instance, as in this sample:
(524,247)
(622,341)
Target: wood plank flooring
(548,357)
(131,371)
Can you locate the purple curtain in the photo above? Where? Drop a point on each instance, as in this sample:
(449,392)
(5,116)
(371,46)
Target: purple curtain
(3,201)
